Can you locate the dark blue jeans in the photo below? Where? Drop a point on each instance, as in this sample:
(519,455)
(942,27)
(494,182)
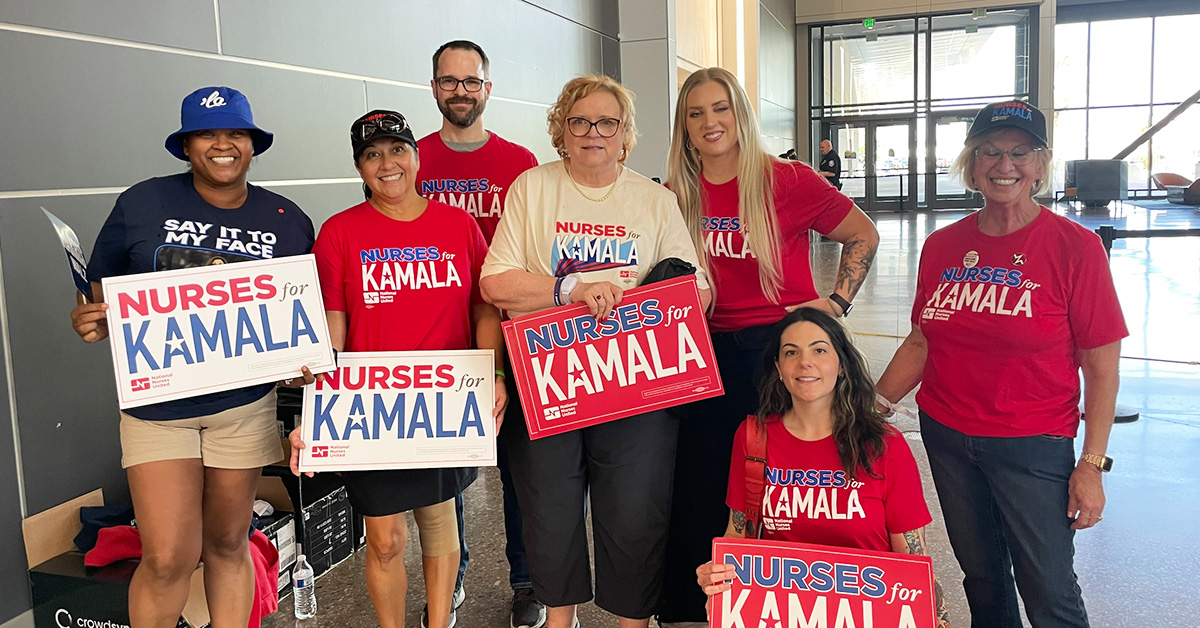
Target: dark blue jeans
(514,543)
(1005,505)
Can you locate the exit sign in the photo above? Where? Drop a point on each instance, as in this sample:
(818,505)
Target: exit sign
(869,23)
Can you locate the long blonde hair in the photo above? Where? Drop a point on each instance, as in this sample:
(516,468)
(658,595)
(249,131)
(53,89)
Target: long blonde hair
(756,179)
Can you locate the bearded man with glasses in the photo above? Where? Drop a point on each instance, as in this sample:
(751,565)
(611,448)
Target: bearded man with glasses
(467,166)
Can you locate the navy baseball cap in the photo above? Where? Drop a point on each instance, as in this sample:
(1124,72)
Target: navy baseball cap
(1015,114)
(378,124)
(216,108)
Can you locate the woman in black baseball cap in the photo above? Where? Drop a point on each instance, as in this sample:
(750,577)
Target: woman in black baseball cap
(1011,303)
(193,463)
(423,297)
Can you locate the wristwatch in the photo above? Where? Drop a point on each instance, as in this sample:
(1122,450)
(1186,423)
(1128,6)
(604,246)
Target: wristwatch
(842,303)
(565,286)
(1104,463)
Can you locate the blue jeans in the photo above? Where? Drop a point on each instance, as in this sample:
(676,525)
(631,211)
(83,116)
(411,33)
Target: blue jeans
(514,545)
(1004,501)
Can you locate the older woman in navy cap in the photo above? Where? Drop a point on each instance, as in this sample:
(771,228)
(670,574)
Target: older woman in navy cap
(1011,302)
(193,464)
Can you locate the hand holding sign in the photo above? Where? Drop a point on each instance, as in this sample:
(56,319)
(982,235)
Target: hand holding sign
(601,297)
(90,320)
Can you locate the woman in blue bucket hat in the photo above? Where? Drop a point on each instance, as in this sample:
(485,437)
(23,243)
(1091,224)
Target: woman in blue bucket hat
(193,464)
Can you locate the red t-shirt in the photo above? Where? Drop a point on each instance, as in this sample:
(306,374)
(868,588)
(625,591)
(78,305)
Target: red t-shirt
(476,181)
(404,286)
(804,200)
(1005,318)
(809,497)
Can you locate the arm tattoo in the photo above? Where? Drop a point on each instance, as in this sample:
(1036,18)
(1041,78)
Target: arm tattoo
(739,522)
(857,257)
(916,544)
(943,613)
(915,540)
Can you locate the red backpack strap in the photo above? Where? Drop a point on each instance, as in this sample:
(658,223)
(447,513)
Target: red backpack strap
(756,475)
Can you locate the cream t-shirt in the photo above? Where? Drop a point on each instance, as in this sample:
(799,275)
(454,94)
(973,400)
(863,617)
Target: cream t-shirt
(549,228)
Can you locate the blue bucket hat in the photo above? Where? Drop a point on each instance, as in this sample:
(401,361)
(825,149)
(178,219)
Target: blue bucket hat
(216,108)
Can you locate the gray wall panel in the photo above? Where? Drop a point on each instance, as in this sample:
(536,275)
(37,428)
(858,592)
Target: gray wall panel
(111,108)
(533,51)
(12,553)
(777,76)
(600,16)
(322,201)
(776,60)
(66,401)
(179,23)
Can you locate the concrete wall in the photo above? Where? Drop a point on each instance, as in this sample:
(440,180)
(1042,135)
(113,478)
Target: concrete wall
(91,89)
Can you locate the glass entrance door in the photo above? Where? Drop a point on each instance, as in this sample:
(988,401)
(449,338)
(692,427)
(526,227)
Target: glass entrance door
(850,142)
(879,170)
(945,141)
(891,170)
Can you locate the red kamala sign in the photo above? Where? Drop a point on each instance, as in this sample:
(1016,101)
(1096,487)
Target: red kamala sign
(778,584)
(653,352)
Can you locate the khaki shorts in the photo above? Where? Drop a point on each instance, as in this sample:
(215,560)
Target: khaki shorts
(244,437)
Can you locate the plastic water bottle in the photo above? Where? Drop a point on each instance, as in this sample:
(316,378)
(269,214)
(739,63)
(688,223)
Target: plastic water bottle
(304,595)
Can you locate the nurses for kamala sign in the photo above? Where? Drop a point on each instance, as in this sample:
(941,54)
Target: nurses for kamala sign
(653,352)
(778,584)
(182,333)
(401,410)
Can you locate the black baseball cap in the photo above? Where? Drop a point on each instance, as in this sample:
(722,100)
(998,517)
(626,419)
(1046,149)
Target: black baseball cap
(378,124)
(1016,114)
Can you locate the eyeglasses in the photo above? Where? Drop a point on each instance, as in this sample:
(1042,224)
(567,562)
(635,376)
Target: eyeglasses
(365,130)
(449,83)
(1020,156)
(580,127)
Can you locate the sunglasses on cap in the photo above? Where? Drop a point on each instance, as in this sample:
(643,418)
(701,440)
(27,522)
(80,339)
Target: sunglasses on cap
(387,123)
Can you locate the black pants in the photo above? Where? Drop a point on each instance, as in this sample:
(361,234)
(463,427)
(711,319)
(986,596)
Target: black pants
(624,468)
(698,512)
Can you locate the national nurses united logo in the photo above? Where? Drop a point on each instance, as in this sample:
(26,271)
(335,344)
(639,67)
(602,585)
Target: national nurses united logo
(582,248)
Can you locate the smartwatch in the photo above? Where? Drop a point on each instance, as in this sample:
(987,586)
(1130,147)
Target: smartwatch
(564,286)
(842,303)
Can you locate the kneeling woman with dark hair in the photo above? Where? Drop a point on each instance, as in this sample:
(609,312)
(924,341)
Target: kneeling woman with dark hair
(817,413)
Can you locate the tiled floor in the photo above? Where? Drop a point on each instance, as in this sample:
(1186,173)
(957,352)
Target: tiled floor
(1140,568)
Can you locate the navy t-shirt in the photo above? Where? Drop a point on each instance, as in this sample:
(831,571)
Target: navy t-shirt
(164,224)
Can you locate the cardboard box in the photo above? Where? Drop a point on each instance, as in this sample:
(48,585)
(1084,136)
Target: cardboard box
(66,593)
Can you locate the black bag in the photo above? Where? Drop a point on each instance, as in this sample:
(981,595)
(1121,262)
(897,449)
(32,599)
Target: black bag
(669,268)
